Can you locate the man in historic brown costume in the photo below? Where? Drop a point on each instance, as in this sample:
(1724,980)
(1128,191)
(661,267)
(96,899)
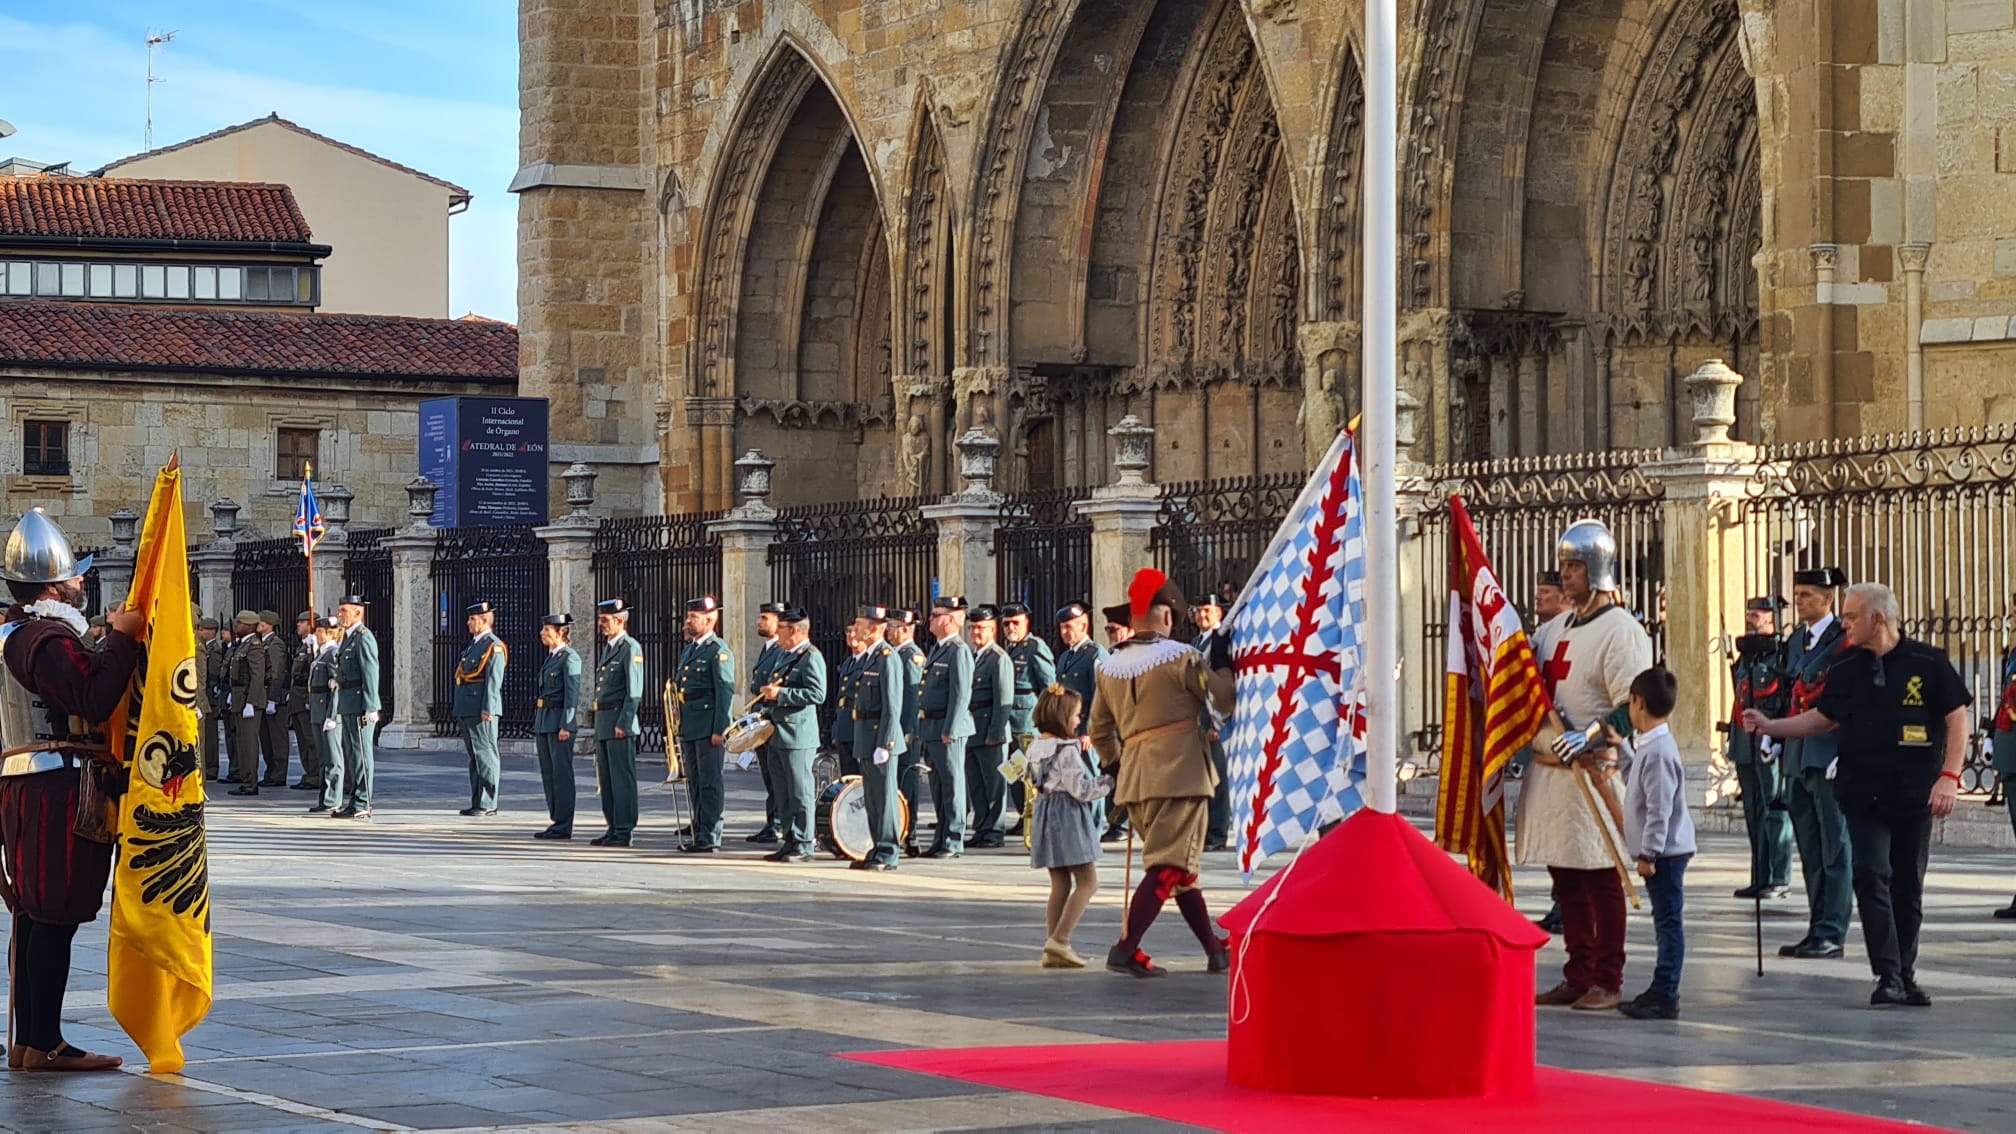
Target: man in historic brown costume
(1152,691)
(56,693)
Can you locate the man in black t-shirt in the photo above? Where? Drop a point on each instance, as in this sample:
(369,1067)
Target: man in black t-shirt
(1900,709)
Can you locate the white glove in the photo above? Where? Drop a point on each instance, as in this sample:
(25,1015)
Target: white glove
(247,714)
(1768,750)
(881,756)
(1831,765)
(199,714)
(271,708)
(329,725)
(371,717)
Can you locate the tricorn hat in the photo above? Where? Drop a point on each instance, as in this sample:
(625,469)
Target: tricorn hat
(949,602)
(771,608)
(1769,604)
(612,606)
(480,606)
(561,620)
(986,613)
(705,604)
(1820,577)
(872,613)
(1117,614)
(1014,610)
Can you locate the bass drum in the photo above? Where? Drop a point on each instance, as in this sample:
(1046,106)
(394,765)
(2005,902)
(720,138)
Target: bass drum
(840,819)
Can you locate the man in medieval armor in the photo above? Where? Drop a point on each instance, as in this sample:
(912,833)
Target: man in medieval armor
(56,781)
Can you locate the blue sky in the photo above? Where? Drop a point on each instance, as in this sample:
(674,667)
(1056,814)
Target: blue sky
(429,83)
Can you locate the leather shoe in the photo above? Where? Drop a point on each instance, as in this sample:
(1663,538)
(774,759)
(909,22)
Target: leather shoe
(943,852)
(987,842)
(282,782)
(872,864)
(1792,950)
(1915,997)
(68,1058)
(318,809)
(1559,996)
(1548,925)
(15,1054)
(1135,964)
(2008,912)
(765,837)
(697,848)
(477,812)
(609,841)
(1888,992)
(1650,1007)
(1219,960)
(553,833)
(1218,845)
(244,790)
(1817,950)
(1113,835)
(1598,1000)
(1766,893)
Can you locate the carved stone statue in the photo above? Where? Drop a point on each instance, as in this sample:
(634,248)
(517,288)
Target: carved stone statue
(1321,415)
(915,456)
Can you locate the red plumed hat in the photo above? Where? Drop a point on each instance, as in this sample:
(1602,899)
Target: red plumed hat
(1149,588)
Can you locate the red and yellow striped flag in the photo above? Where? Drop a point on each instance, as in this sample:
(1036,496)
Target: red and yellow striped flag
(1494,705)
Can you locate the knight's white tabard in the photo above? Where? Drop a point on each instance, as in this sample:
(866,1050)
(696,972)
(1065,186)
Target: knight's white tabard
(1588,668)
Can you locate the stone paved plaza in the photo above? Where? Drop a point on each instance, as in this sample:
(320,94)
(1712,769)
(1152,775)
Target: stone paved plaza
(427,971)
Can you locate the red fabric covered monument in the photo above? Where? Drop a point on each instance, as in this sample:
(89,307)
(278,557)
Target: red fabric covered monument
(1379,967)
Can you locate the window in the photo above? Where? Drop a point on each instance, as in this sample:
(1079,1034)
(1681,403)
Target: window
(205,281)
(230,283)
(297,449)
(45,448)
(73,280)
(125,281)
(264,285)
(46,279)
(101,281)
(153,281)
(178,281)
(20,277)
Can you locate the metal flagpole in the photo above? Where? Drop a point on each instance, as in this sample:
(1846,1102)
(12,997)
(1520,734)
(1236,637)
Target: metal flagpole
(1382,561)
(308,535)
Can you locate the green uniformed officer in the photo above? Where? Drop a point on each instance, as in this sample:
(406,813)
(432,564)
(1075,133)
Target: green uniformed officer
(357,705)
(1761,683)
(553,716)
(619,688)
(213,690)
(1077,668)
(993,702)
(945,721)
(793,696)
(760,674)
(479,705)
(300,717)
(878,734)
(273,715)
(248,677)
(843,705)
(1819,829)
(324,723)
(901,634)
(1035,671)
(706,696)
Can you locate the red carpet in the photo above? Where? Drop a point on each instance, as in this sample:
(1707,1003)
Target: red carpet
(1185,1082)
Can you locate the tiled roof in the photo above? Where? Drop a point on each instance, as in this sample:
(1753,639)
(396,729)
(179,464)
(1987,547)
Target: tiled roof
(460,195)
(122,208)
(36,334)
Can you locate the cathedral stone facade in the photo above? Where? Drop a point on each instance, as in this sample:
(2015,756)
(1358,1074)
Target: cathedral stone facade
(846,231)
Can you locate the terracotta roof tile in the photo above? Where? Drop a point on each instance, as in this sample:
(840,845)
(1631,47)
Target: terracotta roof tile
(37,334)
(123,208)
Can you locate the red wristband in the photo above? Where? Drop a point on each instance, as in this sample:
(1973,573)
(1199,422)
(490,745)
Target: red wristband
(1946,775)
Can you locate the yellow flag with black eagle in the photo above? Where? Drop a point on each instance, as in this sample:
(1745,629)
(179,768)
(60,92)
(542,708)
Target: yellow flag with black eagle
(158,967)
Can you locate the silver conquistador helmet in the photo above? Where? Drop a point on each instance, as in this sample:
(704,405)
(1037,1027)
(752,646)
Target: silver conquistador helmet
(38,552)
(1589,543)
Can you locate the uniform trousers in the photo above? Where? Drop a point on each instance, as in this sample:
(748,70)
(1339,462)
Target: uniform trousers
(206,740)
(1891,839)
(705,789)
(1769,828)
(307,747)
(273,743)
(479,740)
(616,779)
(556,775)
(878,787)
(1824,858)
(1592,926)
(947,761)
(772,793)
(790,771)
(986,790)
(359,760)
(245,759)
(910,782)
(1218,827)
(329,772)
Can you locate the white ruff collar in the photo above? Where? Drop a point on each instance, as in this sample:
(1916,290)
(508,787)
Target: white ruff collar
(1135,660)
(62,612)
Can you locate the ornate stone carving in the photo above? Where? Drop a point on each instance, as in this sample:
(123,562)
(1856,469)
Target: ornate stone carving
(1343,176)
(1446,31)
(1279,11)
(925,346)
(1321,414)
(1002,152)
(915,456)
(795,413)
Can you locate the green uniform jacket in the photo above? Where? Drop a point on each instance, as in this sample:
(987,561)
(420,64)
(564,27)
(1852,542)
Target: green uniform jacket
(1760,672)
(1078,671)
(277,659)
(944,703)
(619,687)
(1810,668)
(1035,671)
(479,677)
(878,701)
(801,680)
(993,695)
(298,691)
(248,674)
(765,667)
(843,700)
(706,689)
(357,673)
(321,680)
(913,686)
(559,703)
(210,676)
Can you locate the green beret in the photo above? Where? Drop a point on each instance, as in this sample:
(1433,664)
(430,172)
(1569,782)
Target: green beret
(97,620)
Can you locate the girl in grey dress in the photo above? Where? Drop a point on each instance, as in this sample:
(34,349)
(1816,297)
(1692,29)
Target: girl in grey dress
(1065,838)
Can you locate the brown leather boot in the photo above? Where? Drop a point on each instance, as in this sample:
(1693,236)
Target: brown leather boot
(15,1054)
(1560,995)
(68,1059)
(1598,1000)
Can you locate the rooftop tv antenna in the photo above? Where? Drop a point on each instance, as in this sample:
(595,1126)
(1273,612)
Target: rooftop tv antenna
(154,40)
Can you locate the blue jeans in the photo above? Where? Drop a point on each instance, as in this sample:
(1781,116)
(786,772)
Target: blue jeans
(1667,888)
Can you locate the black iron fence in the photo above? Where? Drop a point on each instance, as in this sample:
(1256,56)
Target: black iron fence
(94,587)
(831,558)
(655,563)
(1933,515)
(1043,552)
(269,574)
(1210,534)
(507,566)
(367,573)
(1520,506)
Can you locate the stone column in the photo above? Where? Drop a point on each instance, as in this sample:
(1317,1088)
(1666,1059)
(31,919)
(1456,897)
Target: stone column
(1703,519)
(412,621)
(1532,401)
(213,563)
(966,522)
(1122,513)
(746,534)
(116,565)
(712,421)
(1913,257)
(333,552)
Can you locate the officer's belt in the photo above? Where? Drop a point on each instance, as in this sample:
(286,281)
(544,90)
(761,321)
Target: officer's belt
(341,684)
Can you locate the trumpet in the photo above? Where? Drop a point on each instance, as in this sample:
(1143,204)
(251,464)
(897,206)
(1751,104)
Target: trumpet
(671,703)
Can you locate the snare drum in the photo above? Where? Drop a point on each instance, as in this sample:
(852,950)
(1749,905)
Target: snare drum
(840,819)
(748,733)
